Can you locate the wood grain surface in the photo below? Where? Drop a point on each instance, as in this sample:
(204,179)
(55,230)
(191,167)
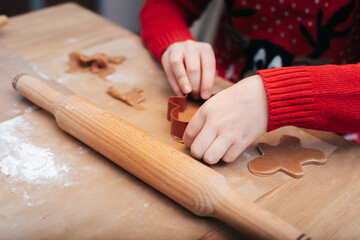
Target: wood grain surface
(183,179)
(97,199)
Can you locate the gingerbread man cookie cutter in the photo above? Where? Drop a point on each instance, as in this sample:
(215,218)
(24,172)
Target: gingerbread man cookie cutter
(176,106)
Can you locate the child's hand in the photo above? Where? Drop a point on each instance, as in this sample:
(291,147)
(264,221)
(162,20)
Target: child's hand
(229,122)
(190,67)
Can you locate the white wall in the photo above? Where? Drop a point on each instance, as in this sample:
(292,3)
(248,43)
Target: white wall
(126,13)
(204,29)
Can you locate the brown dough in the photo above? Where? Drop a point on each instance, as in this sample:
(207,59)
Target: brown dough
(3,20)
(116,60)
(97,64)
(288,156)
(190,110)
(132,97)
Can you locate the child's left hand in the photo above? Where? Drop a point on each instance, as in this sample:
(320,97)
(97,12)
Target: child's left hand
(229,122)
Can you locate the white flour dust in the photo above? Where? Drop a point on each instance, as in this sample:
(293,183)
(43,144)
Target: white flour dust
(71,40)
(31,109)
(22,160)
(247,155)
(37,70)
(28,162)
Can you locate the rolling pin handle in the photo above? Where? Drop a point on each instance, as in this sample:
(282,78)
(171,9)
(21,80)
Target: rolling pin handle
(16,78)
(38,92)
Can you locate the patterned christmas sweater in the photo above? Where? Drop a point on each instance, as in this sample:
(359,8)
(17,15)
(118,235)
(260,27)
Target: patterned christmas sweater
(305,51)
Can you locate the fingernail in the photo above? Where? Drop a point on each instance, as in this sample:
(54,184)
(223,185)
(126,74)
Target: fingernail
(187,88)
(210,161)
(205,94)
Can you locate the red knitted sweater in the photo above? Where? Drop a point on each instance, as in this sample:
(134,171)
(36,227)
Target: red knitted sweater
(279,36)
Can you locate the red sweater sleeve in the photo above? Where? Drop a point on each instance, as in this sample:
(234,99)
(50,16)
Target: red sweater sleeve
(164,22)
(317,97)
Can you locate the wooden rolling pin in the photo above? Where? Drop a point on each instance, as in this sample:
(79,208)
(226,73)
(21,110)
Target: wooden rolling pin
(193,185)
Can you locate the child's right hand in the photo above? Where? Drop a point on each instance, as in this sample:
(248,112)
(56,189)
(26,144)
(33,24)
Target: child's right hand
(190,68)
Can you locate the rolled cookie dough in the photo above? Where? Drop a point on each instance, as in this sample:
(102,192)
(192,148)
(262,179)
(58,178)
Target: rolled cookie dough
(288,156)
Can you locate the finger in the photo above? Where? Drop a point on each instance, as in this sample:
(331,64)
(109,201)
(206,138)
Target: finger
(169,74)
(193,128)
(202,142)
(208,67)
(233,152)
(193,69)
(178,69)
(216,150)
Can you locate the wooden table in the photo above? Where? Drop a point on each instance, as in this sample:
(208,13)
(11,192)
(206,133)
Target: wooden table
(90,197)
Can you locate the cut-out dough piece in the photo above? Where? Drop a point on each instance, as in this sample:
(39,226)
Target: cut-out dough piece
(288,156)
(97,64)
(133,97)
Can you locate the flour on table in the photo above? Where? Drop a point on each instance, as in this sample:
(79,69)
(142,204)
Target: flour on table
(38,71)
(64,79)
(31,109)
(71,40)
(13,112)
(82,150)
(28,162)
(247,155)
(23,161)
(25,195)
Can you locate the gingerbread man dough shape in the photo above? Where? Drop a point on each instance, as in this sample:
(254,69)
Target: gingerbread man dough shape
(288,156)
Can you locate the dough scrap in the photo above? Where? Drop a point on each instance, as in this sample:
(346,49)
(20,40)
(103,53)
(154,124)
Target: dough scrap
(133,97)
(288,156)
(3,20)
(97,64)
